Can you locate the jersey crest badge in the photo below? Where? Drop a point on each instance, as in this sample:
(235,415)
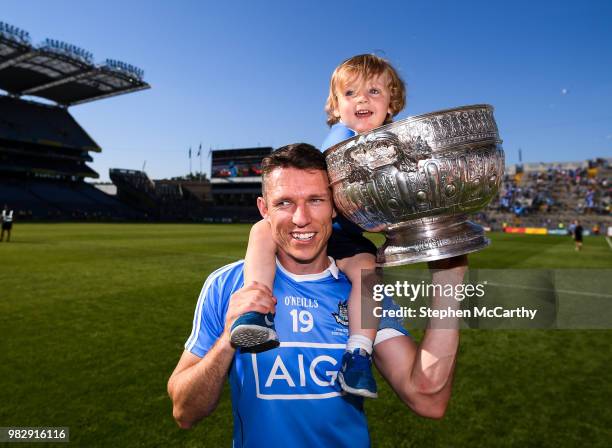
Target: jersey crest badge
(342,315)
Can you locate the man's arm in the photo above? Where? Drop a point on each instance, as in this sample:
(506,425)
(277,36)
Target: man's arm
(422,375)
(195,385)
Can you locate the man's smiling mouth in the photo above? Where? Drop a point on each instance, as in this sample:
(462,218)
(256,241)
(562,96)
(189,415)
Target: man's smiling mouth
(303,236)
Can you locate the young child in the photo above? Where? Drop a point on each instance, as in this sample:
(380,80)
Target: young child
(365,92)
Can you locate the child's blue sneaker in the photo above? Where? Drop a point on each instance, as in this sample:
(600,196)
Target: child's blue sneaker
(355,376)
(254,332)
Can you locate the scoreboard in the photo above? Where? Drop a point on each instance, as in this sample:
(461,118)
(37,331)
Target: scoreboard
(232,163)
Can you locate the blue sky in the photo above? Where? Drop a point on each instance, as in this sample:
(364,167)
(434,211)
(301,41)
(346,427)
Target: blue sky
(256,73)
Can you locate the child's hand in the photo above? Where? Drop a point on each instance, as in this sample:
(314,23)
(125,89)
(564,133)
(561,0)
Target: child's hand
(378,228)
(254,297)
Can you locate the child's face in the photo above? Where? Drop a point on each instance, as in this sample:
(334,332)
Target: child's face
(363,104)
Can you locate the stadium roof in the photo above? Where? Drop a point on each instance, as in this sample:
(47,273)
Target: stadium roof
(60,72)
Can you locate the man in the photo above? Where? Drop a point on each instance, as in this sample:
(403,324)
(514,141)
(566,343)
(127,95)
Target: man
(7,223)
(293,388)
(578,231)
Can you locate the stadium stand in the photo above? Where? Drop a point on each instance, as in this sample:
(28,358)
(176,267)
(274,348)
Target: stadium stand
(43,162)
(42,138)
(553,195)
(164,200)
(43,150)
(236,183)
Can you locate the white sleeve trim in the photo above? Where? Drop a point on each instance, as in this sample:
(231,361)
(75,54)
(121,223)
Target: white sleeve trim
(386,333)
(197,317)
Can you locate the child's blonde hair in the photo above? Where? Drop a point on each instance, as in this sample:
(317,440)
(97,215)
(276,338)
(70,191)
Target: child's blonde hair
(365,66)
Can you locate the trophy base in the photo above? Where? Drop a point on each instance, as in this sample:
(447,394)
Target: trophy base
(430,239)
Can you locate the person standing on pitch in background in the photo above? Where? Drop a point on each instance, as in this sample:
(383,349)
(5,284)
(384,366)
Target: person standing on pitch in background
(365,92)
(578,230)
(7,223)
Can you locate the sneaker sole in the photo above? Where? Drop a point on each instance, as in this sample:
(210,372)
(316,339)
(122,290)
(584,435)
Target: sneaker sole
(254,338)
(360,392)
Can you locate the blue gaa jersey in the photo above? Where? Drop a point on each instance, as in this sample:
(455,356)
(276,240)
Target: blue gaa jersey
(289,396)
(338,133)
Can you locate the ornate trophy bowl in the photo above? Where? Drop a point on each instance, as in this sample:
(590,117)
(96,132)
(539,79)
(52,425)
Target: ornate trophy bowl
(417,179)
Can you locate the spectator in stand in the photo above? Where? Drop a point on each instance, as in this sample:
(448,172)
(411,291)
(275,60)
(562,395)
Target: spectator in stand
(590,201)
(233,170)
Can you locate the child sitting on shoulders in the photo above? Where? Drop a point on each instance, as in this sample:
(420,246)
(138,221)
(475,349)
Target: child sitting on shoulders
(365,92)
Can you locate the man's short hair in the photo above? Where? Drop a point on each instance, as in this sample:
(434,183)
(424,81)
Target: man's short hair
(297,155)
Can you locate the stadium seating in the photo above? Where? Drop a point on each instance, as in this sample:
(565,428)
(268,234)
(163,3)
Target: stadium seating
(163,200)
(25,121)
(43,150)
(554,197)
(36,199)
(23,202)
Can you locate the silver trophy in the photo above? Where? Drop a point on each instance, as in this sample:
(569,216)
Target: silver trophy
(417,180)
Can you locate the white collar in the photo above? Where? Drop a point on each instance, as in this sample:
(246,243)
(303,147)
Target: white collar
(332,270)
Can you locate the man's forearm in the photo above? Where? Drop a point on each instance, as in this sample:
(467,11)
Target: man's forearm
(435,357)
(196,390)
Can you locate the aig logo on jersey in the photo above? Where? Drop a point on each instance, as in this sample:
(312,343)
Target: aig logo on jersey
(298,370)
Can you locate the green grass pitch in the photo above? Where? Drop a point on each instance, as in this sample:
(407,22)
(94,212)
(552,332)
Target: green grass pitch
(93,318)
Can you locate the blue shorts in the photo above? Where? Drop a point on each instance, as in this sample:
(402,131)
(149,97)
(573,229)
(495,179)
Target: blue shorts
(347,240)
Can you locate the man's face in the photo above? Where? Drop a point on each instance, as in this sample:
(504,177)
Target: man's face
(363,104)
(298,205)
